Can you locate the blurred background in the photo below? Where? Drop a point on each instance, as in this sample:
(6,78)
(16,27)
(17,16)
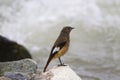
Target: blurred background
(94,51)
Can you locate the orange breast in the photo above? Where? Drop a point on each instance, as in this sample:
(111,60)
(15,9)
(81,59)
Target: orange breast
(61,52)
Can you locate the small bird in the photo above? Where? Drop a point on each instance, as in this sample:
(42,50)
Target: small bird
(60,46)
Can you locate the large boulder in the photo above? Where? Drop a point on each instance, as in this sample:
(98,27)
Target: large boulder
(26,66)
(12,51)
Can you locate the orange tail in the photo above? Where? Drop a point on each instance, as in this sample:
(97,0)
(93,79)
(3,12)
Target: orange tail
(47,64)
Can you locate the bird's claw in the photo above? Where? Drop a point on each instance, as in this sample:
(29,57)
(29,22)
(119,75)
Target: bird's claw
(62,64)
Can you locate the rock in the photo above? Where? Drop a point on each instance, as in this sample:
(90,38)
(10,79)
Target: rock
(12,51)
(17,76)
(57,73)
(27,66)
(4,78)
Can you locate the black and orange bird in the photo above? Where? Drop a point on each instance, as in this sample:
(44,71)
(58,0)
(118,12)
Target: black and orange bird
(60,46)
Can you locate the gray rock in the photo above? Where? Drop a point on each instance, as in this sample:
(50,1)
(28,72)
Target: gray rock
(27,66)
(17,76)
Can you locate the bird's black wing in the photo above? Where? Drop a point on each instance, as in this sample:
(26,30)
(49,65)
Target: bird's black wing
(58,47)
(55,49)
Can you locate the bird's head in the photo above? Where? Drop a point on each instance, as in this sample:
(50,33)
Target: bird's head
(67,29)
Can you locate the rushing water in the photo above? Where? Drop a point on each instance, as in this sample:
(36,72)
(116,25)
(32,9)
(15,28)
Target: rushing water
(94,51)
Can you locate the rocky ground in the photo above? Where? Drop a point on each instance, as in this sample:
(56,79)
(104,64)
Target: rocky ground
(26,69)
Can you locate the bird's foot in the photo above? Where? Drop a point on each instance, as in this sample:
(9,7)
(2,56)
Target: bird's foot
(62,64)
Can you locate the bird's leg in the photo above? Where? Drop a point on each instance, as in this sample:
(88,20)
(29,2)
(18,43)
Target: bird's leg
(60,61)
(61,64)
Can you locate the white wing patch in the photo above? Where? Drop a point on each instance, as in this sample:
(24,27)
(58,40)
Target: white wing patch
(56,49)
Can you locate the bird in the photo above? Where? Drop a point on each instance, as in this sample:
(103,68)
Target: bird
(60,46)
